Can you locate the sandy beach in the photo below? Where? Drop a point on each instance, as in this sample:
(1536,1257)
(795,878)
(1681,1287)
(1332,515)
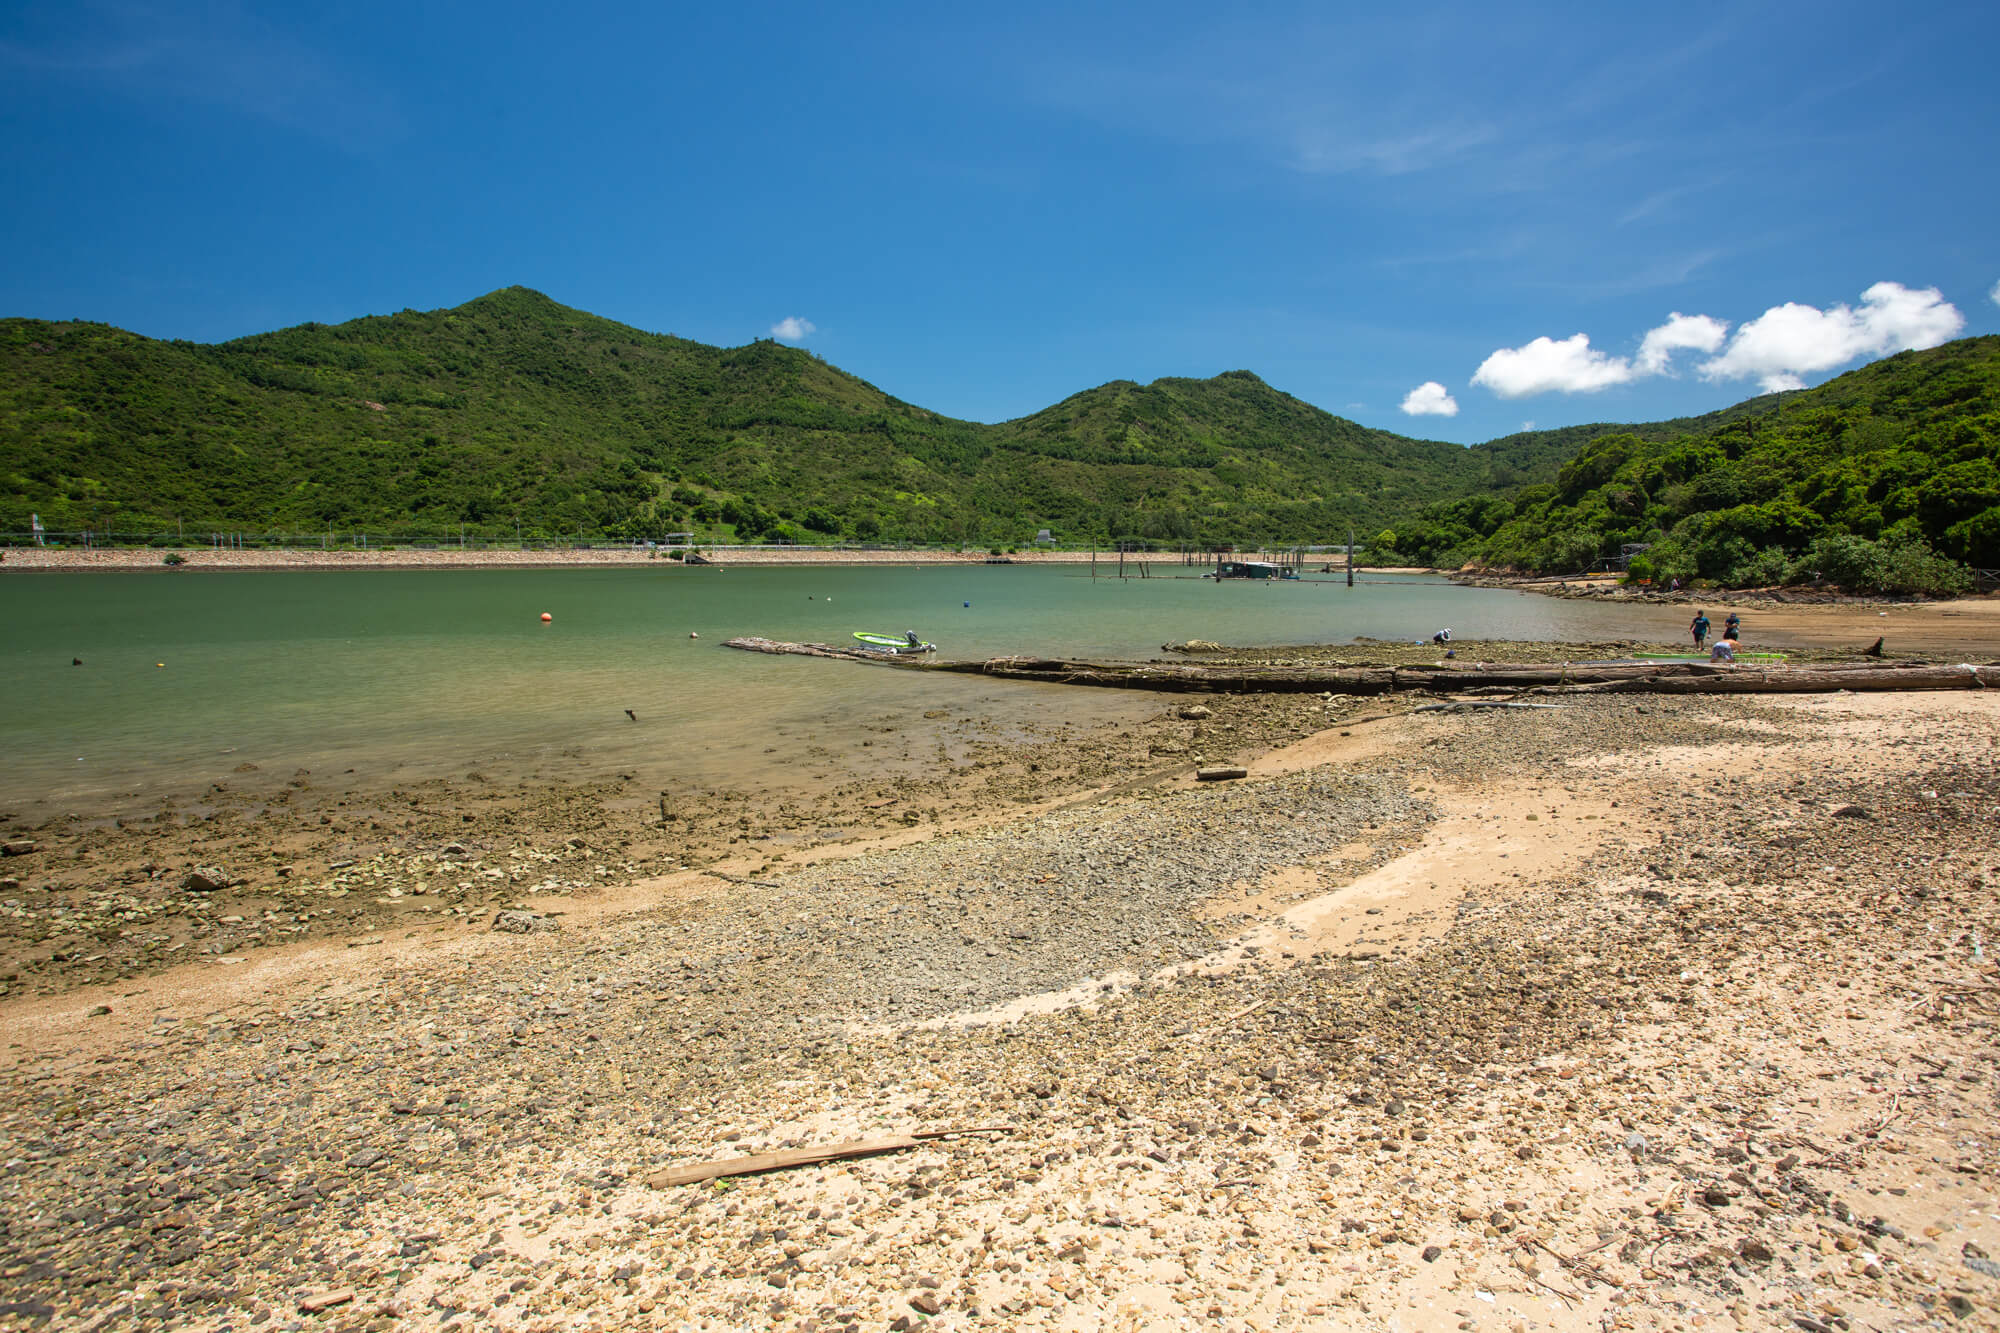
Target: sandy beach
(1627,1012)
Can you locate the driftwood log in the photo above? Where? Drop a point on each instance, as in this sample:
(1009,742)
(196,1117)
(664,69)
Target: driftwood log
(1642,677)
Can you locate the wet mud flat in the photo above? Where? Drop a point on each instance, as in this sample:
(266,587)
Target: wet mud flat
(257,859)
(1701,1036)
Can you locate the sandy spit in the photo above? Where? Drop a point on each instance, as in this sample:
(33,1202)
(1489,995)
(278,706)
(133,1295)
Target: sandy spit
(71,558)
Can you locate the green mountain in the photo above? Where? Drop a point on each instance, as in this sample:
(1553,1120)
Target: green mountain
(1866,481)
(515,414)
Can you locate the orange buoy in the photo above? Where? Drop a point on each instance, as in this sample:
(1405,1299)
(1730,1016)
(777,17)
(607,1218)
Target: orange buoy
(546,617)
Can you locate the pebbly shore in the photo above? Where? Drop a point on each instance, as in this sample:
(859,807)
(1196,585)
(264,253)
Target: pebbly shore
(1669,1014)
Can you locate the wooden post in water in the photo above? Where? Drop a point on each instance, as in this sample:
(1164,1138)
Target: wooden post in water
(1350,555)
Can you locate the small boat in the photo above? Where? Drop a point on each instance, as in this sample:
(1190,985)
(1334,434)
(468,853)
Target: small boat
(1704,657)
(889,643)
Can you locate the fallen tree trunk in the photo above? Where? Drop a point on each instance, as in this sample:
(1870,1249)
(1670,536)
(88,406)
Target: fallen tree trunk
(1812,680)
(1652,677)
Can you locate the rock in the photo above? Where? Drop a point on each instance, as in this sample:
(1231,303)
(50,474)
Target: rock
(1850,812)
(99,1010)
(367,1158)
(325,1301)
(1431,1252)
(1194,712)
(1220,773)
(206,879)
(523,923)
(925,1303)
(1756,1251)
(19,847)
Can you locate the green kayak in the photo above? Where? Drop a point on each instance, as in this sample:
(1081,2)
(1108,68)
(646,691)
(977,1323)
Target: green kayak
(908,643)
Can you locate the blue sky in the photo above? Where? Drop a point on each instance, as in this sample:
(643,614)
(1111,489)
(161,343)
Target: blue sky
(1387,210)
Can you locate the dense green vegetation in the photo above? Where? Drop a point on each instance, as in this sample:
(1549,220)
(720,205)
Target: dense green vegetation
(513,414)
(1885,479)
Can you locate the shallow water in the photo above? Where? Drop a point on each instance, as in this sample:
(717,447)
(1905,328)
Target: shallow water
(397,674)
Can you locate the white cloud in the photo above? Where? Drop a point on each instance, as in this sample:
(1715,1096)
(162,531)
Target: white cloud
(1699,333)
(1430,399)
(1995,293)
(793,329)
(1527,425)
(1545,365)
(1789,341)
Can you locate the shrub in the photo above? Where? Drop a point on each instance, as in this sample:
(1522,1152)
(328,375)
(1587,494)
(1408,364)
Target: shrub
(174,558)
(1762,569)
(1901,564)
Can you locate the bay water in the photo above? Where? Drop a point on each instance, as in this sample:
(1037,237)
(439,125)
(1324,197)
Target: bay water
(389,675)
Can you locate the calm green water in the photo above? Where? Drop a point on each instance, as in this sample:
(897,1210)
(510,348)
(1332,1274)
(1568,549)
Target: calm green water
(402,673)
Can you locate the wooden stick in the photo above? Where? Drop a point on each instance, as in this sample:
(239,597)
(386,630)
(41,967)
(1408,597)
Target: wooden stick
(758,1163)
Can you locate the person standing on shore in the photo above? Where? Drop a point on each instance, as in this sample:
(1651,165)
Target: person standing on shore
(1732,626)
(1699,628)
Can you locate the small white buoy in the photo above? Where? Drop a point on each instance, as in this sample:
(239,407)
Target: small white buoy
(693,635)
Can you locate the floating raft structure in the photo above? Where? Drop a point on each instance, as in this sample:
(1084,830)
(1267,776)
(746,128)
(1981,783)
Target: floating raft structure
(1555,677)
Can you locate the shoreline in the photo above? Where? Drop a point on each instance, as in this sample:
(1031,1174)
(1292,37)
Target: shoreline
(1431,1020)
(32,558)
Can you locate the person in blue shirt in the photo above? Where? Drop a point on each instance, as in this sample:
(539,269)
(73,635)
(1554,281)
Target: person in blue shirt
(1699,628)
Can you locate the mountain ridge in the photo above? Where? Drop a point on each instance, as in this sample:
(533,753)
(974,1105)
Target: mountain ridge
(514,414)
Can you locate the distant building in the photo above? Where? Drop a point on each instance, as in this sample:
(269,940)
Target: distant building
(1044,538)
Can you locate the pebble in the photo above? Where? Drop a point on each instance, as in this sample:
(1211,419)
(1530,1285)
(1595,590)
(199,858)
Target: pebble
(466,1126)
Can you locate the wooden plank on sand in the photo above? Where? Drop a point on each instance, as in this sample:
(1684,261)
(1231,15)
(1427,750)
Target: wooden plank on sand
(756,1163)
(751,1164)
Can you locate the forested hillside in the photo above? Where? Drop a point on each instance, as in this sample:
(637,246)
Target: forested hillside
(513,414)
(1883,479)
